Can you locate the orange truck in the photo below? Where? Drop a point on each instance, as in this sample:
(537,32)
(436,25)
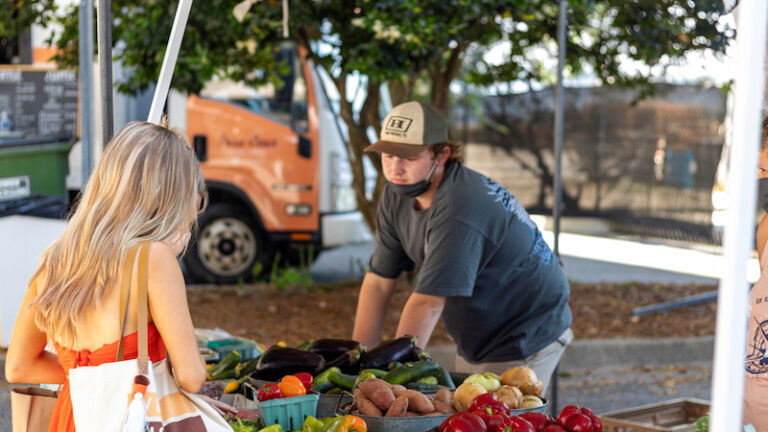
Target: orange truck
(276,167)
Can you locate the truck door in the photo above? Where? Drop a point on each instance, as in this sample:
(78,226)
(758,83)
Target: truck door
(258,152)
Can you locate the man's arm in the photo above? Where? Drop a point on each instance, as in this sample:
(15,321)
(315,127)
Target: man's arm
(420,316)
(375,296)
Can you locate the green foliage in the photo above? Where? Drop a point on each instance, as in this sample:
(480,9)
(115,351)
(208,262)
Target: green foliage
(284,277)
(416,47)
(17,16)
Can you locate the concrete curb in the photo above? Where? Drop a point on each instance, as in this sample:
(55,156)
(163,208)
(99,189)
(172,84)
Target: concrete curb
(584,354)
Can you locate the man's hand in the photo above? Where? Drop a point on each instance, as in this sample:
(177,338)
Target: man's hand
(420,317)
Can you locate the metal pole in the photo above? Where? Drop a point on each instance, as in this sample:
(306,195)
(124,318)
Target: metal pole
(85,25)
(169,61)
(104,18)
(730,332)
(558,186)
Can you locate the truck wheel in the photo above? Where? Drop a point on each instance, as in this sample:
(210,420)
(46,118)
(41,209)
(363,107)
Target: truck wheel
(228,245)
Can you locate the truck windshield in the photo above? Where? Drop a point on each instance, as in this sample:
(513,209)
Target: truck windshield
(286,104)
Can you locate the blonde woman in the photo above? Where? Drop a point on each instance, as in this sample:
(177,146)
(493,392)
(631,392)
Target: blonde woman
(147,187)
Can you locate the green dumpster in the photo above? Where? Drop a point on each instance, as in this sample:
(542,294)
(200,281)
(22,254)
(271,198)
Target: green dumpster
(45,161)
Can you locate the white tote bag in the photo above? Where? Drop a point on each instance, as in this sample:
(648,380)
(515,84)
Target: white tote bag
(101,394)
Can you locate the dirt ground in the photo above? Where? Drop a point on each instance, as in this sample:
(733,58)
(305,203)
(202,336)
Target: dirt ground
(600,311)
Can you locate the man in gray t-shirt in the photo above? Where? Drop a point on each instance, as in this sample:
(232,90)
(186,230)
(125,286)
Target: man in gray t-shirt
(483,265)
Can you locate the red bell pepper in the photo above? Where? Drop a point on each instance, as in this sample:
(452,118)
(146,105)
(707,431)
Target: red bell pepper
(306,379)
(491,401)
(580,423)
(268,392)
(492,421)
(597,424)
(463,422)
(516,424)
(538,420)
(566,414)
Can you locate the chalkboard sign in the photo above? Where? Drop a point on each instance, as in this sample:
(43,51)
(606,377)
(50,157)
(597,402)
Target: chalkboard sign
(40,102)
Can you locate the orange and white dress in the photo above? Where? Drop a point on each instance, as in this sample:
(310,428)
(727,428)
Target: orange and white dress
(63,418)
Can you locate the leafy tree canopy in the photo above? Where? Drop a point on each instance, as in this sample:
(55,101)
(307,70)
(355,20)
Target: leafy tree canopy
(417,47)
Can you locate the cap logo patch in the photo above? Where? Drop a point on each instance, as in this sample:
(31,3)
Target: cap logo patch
(398,126)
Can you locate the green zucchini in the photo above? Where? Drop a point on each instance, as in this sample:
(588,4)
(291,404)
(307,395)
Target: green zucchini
(343,380)
(364,375)
(429,379)
(378,373)
(393,365)
(322,383)
(248,367)
(444,378)
(225,374)
(411,372)
(228,362)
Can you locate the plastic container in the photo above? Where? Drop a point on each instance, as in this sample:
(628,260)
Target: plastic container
(248,349)
(45,161)
(289,412)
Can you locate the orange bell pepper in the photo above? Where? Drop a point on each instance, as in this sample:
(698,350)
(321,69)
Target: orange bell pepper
(353,423)
(291,386)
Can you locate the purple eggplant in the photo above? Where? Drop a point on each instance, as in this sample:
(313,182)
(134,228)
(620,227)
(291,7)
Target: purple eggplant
(330,349)
(277,362)
(402,349)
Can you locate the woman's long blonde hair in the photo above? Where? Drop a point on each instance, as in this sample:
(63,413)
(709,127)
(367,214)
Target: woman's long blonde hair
(142,189)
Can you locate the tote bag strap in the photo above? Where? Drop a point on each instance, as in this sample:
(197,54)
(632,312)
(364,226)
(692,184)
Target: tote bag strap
(125,293)
(143,280)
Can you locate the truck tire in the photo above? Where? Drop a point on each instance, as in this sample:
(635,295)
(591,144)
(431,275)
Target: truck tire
(228,245)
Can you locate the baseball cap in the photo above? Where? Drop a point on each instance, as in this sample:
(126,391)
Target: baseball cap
(409,128)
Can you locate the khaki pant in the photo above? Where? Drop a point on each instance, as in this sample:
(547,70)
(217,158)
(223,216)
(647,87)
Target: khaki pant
(542,362)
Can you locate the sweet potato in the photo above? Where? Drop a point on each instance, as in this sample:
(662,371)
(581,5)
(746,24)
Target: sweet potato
(378,391)
(444,395)
(443,407)
(365,405)
(412,414)
(398,389)
(419,402)
(398,408)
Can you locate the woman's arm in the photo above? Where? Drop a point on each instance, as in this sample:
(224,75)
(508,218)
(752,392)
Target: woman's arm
(27,361)
(170,313)
(762,236)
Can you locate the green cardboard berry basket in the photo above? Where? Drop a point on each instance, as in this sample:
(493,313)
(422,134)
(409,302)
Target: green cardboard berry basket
(289,412)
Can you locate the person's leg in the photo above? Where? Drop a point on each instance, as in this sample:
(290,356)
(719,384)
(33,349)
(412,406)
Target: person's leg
(542,362)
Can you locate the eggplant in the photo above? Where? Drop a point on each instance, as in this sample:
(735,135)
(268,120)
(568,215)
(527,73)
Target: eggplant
(277,362)
(402,349)
(332,348)
(348,361)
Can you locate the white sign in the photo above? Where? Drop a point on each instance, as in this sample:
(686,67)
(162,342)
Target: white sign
(14,187)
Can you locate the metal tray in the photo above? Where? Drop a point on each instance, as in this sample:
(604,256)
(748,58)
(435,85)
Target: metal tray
(677,415)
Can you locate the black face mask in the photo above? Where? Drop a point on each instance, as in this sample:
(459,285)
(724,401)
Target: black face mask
(415,189)
(762,193)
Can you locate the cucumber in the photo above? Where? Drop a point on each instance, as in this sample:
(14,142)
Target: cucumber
(411,372)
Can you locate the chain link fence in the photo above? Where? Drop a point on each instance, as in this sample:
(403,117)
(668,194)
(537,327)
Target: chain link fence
(647,166)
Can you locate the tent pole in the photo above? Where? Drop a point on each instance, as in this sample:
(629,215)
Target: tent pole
(169,61)
(104,28)
(562,23)
(738,241)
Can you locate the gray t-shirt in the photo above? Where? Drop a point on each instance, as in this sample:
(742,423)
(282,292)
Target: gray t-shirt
(507,295)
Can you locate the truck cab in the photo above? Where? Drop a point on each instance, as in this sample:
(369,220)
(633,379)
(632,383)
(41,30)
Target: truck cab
(276,168)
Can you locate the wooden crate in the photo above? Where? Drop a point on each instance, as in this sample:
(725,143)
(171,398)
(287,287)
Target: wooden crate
(678,415)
